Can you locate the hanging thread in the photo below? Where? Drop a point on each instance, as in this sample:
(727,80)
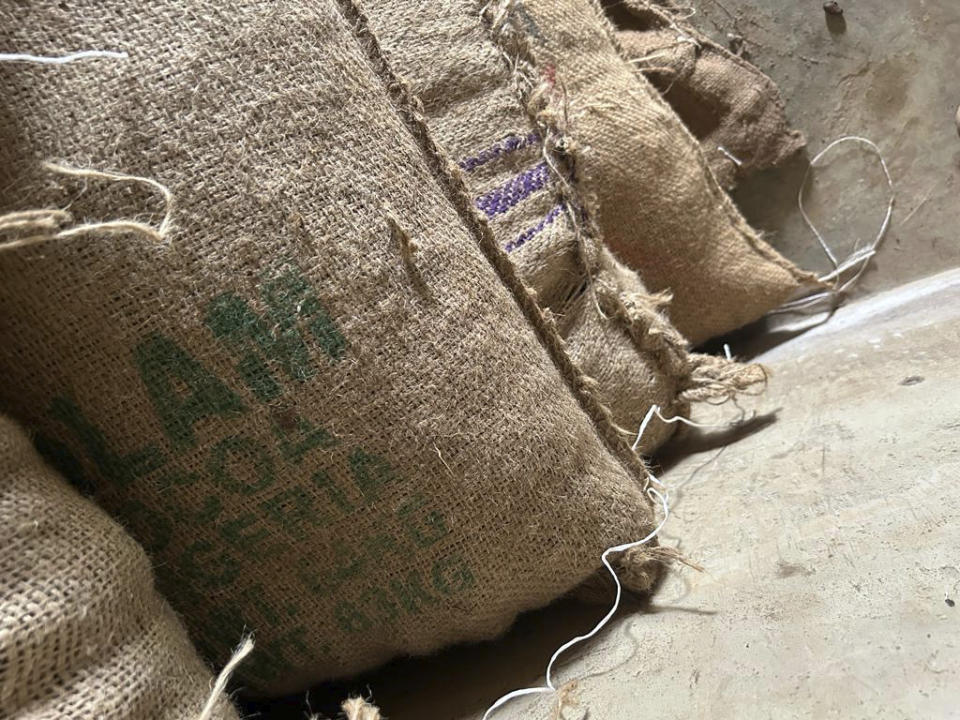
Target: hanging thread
(859,258)
(654,494)
(605,558)
(664,499)
(655,410)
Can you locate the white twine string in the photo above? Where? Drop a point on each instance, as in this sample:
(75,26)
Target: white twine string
(859,258)
(664,499)
(239,655)
(859,255)
(655,410)
(62,59)
(550,687)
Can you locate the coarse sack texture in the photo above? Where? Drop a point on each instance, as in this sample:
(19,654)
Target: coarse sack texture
(644,179)
(318,395)
(725,101)
(83,631)
(502,119)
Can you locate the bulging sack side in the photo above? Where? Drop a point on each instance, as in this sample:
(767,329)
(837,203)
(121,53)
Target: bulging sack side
(83,631)
(243,310)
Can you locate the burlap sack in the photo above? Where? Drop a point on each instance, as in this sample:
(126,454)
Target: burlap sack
(732,108)
(503,122)
(83,631)
(318,395)
(643,177)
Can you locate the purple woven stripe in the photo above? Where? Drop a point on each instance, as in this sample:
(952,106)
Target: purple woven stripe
(530,232)
(504,147)
(519,187)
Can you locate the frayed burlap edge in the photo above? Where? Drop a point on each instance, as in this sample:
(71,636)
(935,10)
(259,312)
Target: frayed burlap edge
(716,380)
(640,571)
(700,377)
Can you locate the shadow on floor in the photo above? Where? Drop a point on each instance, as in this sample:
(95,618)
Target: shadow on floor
(460,682)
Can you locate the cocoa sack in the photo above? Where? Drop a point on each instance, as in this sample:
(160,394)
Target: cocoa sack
(250,312)
(500,117)
(729,105)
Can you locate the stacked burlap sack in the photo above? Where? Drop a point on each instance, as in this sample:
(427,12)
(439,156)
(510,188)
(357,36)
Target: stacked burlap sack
(732,108)
(348,315)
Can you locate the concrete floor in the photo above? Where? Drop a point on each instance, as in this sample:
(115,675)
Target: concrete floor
(829,537)
(889,72)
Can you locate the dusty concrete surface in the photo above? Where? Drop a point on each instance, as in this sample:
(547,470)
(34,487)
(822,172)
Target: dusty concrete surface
(887,70)
(829,535)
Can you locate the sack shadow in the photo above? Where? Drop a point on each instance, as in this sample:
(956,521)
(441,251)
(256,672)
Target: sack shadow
(693,441)
(461,682)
